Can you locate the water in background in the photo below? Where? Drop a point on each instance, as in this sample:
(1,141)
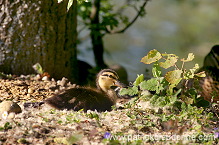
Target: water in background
(177,28)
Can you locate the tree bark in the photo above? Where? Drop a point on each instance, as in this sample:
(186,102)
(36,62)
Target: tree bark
(96,36)
(42,31)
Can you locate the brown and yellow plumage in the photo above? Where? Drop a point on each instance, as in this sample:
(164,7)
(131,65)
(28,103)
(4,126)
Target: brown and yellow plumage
(208,87)
(101,98)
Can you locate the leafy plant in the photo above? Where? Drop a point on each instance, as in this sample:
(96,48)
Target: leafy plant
(163,85)
(38,68)
(175,76)
(179,107)
(94,115)
(6,126)
(74,138)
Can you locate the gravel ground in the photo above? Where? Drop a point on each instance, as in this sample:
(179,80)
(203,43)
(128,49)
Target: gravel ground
(45,125)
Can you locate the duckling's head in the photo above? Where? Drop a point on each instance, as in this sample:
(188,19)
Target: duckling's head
(107,78)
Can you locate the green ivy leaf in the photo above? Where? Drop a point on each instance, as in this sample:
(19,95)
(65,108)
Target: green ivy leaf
(173,77)
(151,57)
(149,84)
(190,57)
(130,91)
(7,126)
(156,71)
(138,80)
(154,84)
(170,61)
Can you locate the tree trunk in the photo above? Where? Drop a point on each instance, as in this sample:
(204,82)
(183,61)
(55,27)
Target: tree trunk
(40,31)
(96,36)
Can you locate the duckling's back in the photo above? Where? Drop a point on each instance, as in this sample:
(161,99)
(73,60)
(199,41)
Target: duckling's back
(208,87)
(209,84)
(81,98)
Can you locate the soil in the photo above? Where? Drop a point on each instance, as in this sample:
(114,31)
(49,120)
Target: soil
(45,125)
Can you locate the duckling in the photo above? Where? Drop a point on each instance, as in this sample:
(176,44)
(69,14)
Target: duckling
(208,87)
(101,98)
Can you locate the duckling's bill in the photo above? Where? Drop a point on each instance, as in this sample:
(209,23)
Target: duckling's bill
(119,84)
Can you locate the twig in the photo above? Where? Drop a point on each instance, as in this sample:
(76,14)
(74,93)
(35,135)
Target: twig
(132,22)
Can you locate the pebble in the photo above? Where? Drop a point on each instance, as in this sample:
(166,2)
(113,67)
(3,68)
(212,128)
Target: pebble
(131,131)
(75,86)
(30,91)
(56,91)
(45,78)
(63,82)
(37,77)
(8,108)
(28,95)
(24,92)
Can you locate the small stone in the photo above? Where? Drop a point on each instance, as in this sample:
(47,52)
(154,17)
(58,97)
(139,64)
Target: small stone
(30,91)
(56,91)
(22,76)
(131,131)
(46,87)
(75,86)
(61,88)
(16,98)
(11,115)
(28,96)
(37,77)
(9,107)
(24,92)
(63,82)
(45,78)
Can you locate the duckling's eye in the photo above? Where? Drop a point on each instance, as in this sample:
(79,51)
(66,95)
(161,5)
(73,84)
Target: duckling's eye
(112,77)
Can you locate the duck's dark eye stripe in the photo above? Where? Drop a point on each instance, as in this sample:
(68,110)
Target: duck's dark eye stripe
(111,76)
